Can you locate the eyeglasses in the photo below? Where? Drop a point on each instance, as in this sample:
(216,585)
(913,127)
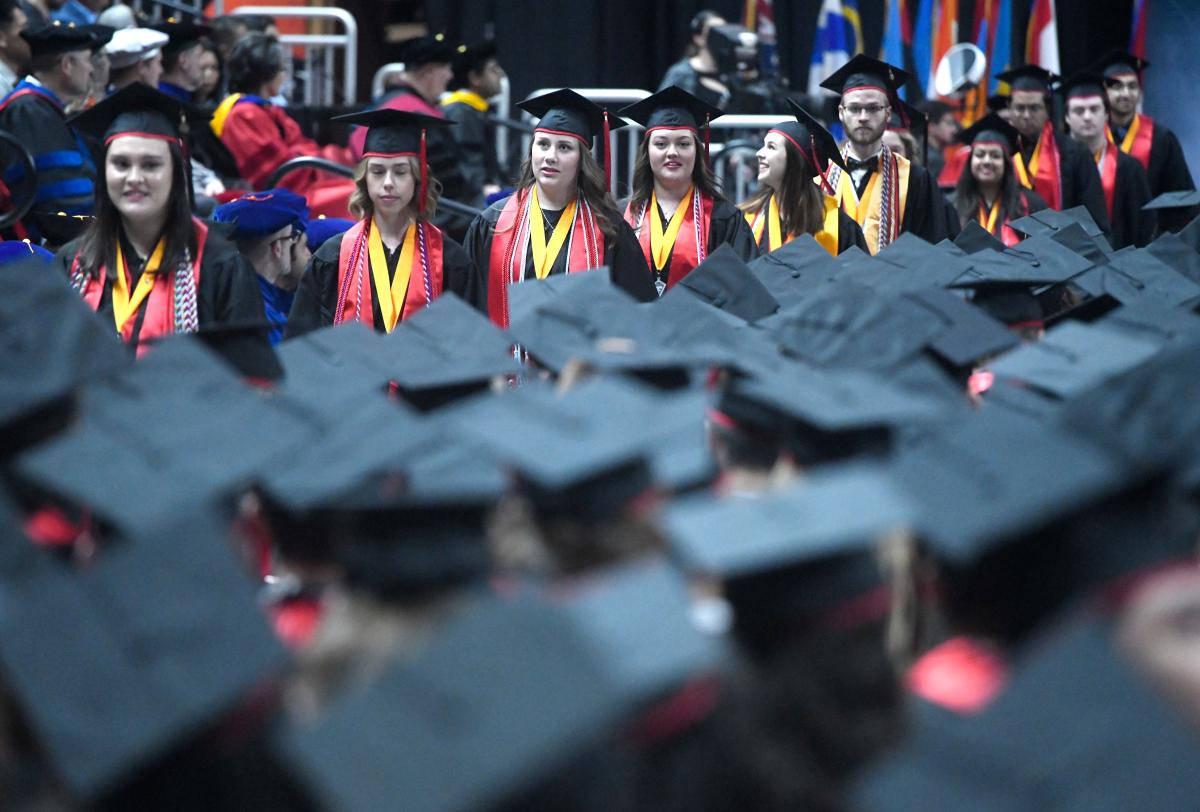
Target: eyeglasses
(869,109)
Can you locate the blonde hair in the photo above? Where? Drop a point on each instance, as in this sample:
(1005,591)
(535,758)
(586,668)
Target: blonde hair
(361,206)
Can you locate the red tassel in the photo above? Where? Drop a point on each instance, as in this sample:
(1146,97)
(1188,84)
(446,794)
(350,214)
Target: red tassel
(424,174)
(607,156)
(821,173)
(707,133)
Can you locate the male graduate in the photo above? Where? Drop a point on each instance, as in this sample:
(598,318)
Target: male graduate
(269,229)
(884,192)
(1059,170)
(477,78)
(34,113)
(1122,178)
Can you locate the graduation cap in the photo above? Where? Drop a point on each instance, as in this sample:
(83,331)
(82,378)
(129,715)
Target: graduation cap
(725,282)
(528,296)
(427,50)
(259,214)
(975,238)
(1028,77)
(1133,274)
(471,58)
(863,72)
(565,112)
(1049,221)
(1084,85)
(673,108)
(129,46)
(397,133)
(58,37)
(1118,63)
(1174,200)
(997,102)
(971,336)
(184,34)
(138,110)
(101,35)
(992,130)
(245,346)
(816,144)
(507,695)
(317,232)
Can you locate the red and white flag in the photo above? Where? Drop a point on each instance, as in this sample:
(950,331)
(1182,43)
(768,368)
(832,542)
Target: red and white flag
(1041,42)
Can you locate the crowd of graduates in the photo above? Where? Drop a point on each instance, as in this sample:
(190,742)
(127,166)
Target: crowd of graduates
(869,492)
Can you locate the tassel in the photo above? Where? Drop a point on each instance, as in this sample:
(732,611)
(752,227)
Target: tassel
(707,133)
(424,174)
(607,155)
(821,173)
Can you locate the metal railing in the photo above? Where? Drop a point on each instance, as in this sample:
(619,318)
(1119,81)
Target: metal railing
(153,9)
(319,51)
(730,155)
(379,80)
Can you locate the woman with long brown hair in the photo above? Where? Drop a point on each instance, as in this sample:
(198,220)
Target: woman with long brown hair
(988,191)
(789,201)
(144,261)
(676,211)
(393,262)
(561,219)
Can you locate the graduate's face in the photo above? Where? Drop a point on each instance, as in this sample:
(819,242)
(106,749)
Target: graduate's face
(987,164)
(1086,117)
(555,161)
(672,156)
(772,161)
(137,173)
(150,70)
(864,113)
(391,184)
(1124,93)
(1029,112)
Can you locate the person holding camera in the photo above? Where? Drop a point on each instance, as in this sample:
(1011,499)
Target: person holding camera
(698,72)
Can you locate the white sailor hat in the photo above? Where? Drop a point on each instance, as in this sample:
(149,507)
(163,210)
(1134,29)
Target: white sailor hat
(130,46)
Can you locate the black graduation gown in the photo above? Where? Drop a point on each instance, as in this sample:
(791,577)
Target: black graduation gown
(1079,179)
(1131,225)
(925,208)
(623,256)
(476,144)
(67,180)
(227,294)
(316,295)
(1167,172)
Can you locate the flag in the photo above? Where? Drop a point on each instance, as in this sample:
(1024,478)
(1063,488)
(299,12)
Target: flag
(897,37)
(1041,40)
(1000,57)
(945,36)
(760,18)
(839,36)
(1137,40)
(922,41)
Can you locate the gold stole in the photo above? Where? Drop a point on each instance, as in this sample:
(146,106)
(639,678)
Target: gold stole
(865,212)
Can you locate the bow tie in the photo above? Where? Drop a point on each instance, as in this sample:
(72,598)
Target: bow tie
(870,164)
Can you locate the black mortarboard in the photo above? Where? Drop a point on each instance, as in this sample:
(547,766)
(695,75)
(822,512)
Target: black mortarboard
(1038,260)
(791,270)
(1075,357)
(975,238)
(245,347)
(183,33)
(159,637)
(565,112)
(527,296)
(1174,200)
(1176,251)
(508,694)
(906,118)
(997,102)
(921,265)
(571,325)
(58,38)
(1084,84)
(395,133)
(426,50)
(725,282)
(101,34)
(334,361)
(991,129)
(672,108)
(1048,221)
(1120,63)
(471,58)
(972,335)
(138,109)
(1133,274)
(863,71)
(1028,77)
(808,135)
(54,344)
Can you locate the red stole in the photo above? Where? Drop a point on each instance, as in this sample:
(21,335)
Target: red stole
(1138,139)
(354,302)
(1043,174)
(1107,165)
(159,306)
(510,243)
(957,159)
(690,248)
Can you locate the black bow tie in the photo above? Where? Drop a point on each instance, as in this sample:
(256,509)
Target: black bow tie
(870,164)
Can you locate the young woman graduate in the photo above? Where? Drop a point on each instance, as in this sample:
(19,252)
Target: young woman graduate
(561,219)
(393,262)
(676,211)
(144,261)
(988,191)
(793,197)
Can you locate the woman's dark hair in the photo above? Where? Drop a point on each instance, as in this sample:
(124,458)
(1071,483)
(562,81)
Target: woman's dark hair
(592,189)
(968,198)
(696,27)
(255,60)
(218,91)
(98,245)
(643,177)
(801,204)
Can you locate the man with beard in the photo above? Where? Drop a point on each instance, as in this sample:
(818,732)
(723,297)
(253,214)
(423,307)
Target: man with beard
(1062,172)
(14,50)
(1122,178)
(884,192)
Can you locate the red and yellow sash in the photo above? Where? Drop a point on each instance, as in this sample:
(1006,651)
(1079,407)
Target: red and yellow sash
(990,219)
(871,211)
(154,293)
(361,255)
(1042,175)
(1106,162)
(658,244)
(511,242)
(1138,139)
(767,220)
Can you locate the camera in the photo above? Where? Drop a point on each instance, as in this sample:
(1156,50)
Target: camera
(734,48)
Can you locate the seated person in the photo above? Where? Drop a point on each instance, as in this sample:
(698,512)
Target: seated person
(262,136)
